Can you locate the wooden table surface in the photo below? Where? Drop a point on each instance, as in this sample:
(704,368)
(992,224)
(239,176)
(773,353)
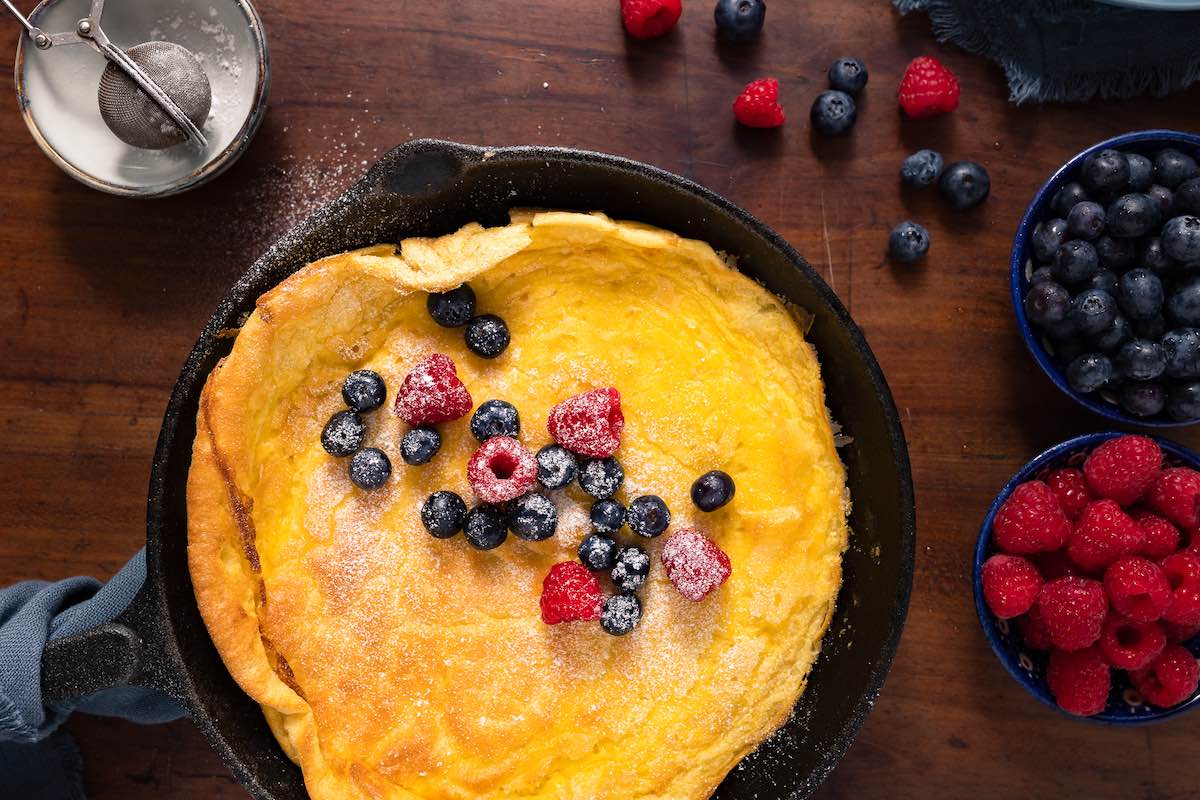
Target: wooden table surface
(101,298)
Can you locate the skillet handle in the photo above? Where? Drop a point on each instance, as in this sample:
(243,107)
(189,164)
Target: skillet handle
(421,167)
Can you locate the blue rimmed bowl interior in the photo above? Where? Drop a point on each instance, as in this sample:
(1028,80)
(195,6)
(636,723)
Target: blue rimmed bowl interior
(1027,666)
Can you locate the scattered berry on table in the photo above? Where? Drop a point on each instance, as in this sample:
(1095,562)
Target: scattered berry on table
(1048,235)
(598,552)
(833,113)
(601,477)
(1116,254)
(1181,238)
(487,336)
(1079,681)
(502,469)
(452,309)
(1047,304)
(1182,571)
(1181,348)
(1183,306)
(1103,534)
(1141,172)
(419,445)
(485,527)
(630,569)
(1140,360)
(622,612)
(1140,294)
(740,20)
(712,490)
(588,424)
(1183,401)
(1161,537)
(1137,588)
(1131,645)
(1089,372)
(928,88)
(908,242)
(343,434)
(1010,585)
(1031,521)
(1132,215)
(1123,468)
(924,167)
(570,593)
(443,514)
(758,105)
(370,468)
(1172,168)
(1070,487)
(556,466)
(1066,198)
(1175,495)
(965,184)
(1074,262)
(1092,311)
(649,19)
(1187,197)
(1086,220)
(648,516)
(495,418)
(1170,679)
(1105,173)
(363,390)
(849,75)
(694,563)
(607,516)
(432,393)
(532,517)
(1073,610)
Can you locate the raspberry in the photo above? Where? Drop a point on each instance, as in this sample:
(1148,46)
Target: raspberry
(648,19)
(1080,681)
(1054,564)
(1123,469)
(1073,610)
(502,469)
(1071,490)
(758,105)
(1162,538)
(695,565)
(432,393)
(570,593)
(1178,634)
(588,424)
(1010,585)
(1131,645)
(1033,630)
(1103,534)
(1170,679)
(928,88)
(1175,494)
(1137,589)
(1183,575)
(1031,521)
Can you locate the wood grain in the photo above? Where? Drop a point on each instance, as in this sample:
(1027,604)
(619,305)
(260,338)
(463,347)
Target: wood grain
(101,298)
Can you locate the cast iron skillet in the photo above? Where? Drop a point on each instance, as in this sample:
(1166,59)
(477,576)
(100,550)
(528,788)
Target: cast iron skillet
(428,188)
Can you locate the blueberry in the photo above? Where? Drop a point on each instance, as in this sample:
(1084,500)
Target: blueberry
(621,614)
(1046,238)
(1089,372)
(1181,238)
(922,168)
(343,434)
(452,309)
(965,184)
(908,242)
(631,568)
(1140,294)
(443,514)
(1183,304)
(1116,254)
(370,468)
(1086,220)
(1104,280)
(1067,350)
(1163,196)
(1153,256)
(648,516)
(1181,347)
(1132,215)
(364,390)
(1041,275)
(848,75)
(419,445)
(598,552)
(1152,328)
(1116,334)
(740,20)
(1183,401)
(607,516)
(495,418)
(601,477)
(715,488)
(1140,360)
(1187,197)
(532,517)
(1141,172)
(1074,262)
(1092,311)
(487,336)
(1143,399)
(1105,173)
(557,466)
(1066,198)
(485,527)
(833,113)
(1172,168)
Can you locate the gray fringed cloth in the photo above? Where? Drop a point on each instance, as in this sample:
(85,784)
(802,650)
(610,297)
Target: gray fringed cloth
(1072,50)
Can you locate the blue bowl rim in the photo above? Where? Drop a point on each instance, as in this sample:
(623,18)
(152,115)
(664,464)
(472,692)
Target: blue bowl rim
(987,620)
(1029,221)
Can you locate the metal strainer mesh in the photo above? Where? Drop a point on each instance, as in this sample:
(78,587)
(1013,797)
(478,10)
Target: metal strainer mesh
(133,116)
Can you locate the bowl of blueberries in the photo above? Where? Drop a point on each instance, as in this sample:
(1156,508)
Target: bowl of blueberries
(1105,278)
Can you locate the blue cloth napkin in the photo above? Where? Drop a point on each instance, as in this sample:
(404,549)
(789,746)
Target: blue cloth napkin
(1072,50)
(37,760)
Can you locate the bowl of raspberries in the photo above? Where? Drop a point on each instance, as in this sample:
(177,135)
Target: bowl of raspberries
(1087,578)
(1106,278)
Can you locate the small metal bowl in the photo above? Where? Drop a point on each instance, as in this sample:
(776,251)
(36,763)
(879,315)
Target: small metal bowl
(56,92)
(1028,667)
(1021,265)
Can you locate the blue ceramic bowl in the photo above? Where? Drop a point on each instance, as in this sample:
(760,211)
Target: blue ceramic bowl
(1021,265)
(1028,667)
